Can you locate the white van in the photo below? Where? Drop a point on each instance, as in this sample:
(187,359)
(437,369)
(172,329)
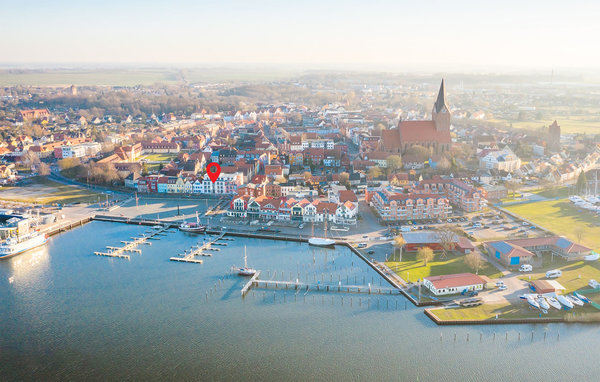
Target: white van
(553,273)
(526,268)
(405,228)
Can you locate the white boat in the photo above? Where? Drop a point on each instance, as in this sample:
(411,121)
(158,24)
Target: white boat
(565,302)
(531,301)
(246,270)
(575,300)
(321,242)
(543,304)
(582,297)
(15,245)
(553,302)
(193,227)
(592,257)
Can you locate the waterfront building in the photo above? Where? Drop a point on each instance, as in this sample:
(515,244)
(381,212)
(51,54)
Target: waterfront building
(454,284)
(460,194)
(393,206)
(521,251)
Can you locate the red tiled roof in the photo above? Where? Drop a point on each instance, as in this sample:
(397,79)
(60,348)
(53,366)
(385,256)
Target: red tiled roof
(454,281)
(421,131)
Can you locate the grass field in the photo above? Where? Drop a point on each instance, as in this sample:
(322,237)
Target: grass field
(159,157)
(144,76)
(516,310)
(575,275)
(562,218)
(45,191)
(411,269)
(568,124)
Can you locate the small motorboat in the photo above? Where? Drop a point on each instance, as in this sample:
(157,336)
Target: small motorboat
(582,297)
(553,302)
(542,303)
(532,302)
(575,300)
(565,302)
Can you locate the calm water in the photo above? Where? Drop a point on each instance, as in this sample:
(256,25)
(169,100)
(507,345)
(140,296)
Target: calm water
(70,315)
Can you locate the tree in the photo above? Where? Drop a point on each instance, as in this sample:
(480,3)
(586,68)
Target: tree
(419,153)
(425,254)
(512,186)
(344,178)
(582,182)
(447,236)
(145,171)
(307,176)
(474,261)
(67,163)
(375,172)
(399,242)
(394,163)
(579,233)
(43,169)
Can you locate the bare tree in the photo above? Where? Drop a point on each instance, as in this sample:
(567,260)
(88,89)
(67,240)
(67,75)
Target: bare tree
(447,237)
(579,233)
(474,261)
(425,254)
(399,242)
(43,169)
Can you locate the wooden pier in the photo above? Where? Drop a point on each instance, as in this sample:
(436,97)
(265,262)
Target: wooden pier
(198,251)
(298,285)
(131,246)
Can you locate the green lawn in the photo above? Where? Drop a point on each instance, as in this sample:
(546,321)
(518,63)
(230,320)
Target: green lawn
(411,269)
(562,218)
(44,191)
(159,157)
(516,310)
(575,274)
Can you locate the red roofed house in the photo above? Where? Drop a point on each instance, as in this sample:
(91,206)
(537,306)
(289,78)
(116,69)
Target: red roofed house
(434,134)
(452,284)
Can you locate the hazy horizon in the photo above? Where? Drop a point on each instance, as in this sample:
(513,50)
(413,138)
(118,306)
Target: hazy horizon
(396,36)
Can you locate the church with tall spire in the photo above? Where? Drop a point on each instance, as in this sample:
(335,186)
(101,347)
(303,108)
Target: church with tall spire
(432,134)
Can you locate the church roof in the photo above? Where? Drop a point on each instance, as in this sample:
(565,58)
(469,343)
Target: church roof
(422,131)
(440,103)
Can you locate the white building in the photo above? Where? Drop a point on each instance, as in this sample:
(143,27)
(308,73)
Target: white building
(501,160)
(225,184)
(453,284)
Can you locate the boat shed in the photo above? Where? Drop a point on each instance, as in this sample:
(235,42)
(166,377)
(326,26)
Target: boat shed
(546,286)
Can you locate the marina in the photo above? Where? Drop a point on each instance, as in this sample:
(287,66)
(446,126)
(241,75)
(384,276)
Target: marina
(194,301)
(199,250)
(131,246)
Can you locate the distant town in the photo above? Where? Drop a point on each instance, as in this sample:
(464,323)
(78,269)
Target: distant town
(448,201)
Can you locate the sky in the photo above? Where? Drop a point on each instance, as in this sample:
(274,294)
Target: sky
(391,35)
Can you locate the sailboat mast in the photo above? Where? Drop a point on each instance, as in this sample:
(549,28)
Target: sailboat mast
(245,258)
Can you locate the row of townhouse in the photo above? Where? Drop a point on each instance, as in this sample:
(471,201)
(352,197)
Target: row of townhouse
(393,206)
(459,193)
(226,184)
(290,209)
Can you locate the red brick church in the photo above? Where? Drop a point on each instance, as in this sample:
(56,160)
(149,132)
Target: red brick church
(434,134)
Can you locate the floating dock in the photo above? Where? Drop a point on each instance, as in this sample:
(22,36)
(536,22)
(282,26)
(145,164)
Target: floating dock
(130,246)
(197,251)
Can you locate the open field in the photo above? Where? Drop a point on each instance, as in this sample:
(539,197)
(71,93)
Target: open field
(44,191)
(516,310)
(562,218)
(568,125)
(145,76)
(575,275)
(159,157)
(411,269)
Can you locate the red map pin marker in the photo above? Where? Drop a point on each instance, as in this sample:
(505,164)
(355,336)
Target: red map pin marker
(213,170)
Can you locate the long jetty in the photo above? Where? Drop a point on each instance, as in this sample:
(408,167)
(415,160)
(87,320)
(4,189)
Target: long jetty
(197,251)
(298,285)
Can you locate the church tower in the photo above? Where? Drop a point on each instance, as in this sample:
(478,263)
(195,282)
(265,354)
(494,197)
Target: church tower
(440,113)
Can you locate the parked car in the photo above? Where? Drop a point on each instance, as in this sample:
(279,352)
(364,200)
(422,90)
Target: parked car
(502,287)
(362,245)
(553,273)
(499,283)
(525,268)
(370,252)
(301,225)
